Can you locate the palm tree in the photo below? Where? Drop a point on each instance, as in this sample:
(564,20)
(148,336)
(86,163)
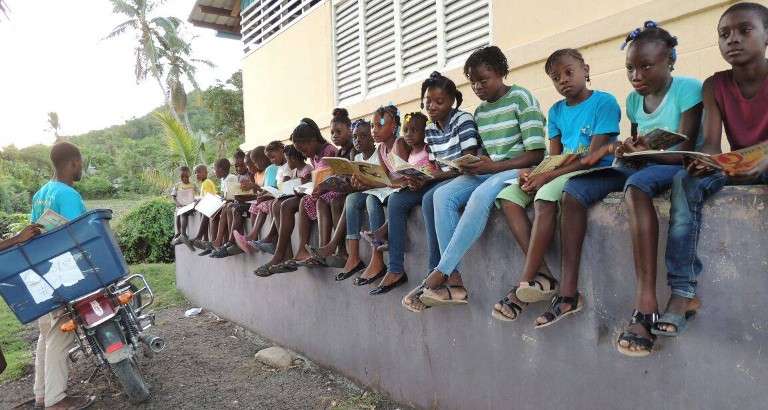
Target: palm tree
(54,125)
(4,8)
(145,28)
(184,147)
(176,56)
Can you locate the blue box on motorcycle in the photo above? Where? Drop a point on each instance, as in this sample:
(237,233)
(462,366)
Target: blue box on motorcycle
(60,266)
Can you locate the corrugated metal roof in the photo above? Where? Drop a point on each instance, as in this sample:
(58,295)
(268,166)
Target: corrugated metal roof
(221,15)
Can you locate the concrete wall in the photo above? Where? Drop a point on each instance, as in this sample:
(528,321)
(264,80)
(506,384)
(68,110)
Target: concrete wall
(292,76)
(461,358)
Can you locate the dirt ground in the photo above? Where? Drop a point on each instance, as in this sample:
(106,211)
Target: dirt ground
(209,364)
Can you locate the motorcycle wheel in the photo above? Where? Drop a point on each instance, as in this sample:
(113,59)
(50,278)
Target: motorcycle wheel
(127,372)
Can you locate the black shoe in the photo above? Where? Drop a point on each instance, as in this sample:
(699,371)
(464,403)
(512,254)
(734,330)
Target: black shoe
(344,275)
(206,252)
(380,290)
(361,281)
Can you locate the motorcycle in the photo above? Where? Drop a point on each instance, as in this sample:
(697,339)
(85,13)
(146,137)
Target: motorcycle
(110,324)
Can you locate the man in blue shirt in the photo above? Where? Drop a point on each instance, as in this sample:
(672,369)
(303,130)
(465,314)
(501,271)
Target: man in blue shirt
(51,370)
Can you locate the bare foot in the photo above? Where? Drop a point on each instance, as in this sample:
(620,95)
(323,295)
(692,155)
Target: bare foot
(435,280)
(372,270)
(351,264)
(302,255)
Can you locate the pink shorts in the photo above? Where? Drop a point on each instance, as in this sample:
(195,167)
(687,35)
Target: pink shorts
(310,203)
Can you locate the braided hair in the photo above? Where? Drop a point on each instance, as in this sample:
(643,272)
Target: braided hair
(360,123)
(563,52)
(393,112)
(652,32)
(416,117)
(291,151)
(438,80)
(306,131)
(490,56)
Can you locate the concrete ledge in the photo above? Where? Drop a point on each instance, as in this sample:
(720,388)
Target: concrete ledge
(460,358)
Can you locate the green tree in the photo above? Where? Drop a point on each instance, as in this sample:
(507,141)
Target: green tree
(147,35)
(178,63)
(225,102)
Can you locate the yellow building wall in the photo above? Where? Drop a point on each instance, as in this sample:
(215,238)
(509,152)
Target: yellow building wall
(275,98)
(289,78)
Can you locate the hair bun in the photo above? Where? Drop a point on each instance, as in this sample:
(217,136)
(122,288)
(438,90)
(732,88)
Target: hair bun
(340,113)
(435,75)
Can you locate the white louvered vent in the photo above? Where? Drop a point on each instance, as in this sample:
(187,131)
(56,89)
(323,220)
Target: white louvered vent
(379,44)
(382,44)
(261,20)
(347,32)
(467,28)
(418,20)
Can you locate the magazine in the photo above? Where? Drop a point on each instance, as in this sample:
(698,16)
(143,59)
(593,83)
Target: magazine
(739,161)
(550,163)
(459,162)
(209,205)
(51,220)
(660,140)
(405,169)
(363,170)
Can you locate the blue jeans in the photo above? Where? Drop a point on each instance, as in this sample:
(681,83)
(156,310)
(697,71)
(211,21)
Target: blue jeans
(688,196)
(354,205)
(399,205)
(594,186)
(456,231)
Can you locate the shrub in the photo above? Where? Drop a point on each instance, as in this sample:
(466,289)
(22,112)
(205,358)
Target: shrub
(145,233)
(95,187)
(12,223)
(13,196)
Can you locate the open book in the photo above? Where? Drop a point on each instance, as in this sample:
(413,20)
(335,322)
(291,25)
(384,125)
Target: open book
(209,205)
(185,196)
(186,208)
(233,189)
(660,140)
(460,161)
(360,169)
(740,161)
(403,168)
(287,188)
(305,189)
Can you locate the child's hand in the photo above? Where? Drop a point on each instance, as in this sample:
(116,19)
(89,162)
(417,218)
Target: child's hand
(248,185)
(535,182)
(697,167)
(415,184)
(523,175)
(484,166)
(30,232)
(748,176)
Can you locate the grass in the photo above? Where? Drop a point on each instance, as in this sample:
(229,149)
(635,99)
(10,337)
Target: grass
(119,207)
(18,351)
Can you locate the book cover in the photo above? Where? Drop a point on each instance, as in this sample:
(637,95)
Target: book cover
(660,139)
(50,220)
(550,163)
(459,162)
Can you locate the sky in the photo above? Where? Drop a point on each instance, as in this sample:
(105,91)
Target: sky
(54,58)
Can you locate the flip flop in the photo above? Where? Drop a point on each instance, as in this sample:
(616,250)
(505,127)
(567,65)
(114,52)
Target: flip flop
(431,298)
(311,262)
(242,243)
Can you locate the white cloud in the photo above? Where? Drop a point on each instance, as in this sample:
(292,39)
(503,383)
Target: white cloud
(54,59)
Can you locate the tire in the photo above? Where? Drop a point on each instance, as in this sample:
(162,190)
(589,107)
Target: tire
(127,372)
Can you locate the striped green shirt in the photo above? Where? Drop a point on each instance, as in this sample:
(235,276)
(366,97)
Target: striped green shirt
(512,125)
